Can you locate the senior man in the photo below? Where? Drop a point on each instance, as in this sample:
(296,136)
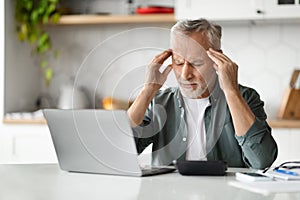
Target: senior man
(209,116)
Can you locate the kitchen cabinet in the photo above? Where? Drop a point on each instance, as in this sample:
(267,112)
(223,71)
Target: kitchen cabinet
(234,10)
(26,143)
(282,9)
(218,9)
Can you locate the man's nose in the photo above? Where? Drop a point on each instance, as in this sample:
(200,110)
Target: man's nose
(187,71)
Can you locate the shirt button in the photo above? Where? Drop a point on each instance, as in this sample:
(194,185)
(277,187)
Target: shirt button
(184,139)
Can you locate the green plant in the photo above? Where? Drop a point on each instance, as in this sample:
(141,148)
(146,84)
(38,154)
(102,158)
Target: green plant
(31,16)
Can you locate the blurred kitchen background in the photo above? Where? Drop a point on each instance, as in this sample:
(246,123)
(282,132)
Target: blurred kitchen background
(105,61)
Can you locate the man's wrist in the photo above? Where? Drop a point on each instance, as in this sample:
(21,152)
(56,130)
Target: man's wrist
(151,88)
(234,92)
(149,91)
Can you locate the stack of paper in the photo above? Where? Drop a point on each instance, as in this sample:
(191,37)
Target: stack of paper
(268,187)
(284,180)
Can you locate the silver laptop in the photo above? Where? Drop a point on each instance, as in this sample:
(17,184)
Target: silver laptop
(96,141)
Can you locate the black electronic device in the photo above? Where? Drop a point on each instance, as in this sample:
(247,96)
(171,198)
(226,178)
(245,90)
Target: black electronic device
(208,168)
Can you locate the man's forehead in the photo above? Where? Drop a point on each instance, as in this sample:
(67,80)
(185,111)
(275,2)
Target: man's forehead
(186,46)
(190,59)
(194,39)
(189,53)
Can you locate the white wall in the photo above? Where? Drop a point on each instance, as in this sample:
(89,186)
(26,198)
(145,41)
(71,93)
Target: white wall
(266,55)
(1,56)
(22,80)
(265,52)
(109,60)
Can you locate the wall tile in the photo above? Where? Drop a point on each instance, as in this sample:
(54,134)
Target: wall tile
(283,140)
(294,145)
(298,59)
(290,34)
(265,36)
(250,60)
(236,37)
(270,89)
(281,60)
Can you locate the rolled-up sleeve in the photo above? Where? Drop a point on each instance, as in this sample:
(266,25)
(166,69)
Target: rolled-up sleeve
(258,146)
(140,133)
(154,121)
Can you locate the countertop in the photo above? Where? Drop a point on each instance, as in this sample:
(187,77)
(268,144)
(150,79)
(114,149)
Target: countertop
(47,181)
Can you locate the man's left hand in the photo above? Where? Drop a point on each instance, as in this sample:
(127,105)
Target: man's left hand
(227,70)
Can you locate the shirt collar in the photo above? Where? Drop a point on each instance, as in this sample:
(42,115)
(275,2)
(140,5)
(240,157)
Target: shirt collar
(216,93)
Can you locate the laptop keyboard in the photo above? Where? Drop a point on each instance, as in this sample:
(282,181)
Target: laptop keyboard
(152,170)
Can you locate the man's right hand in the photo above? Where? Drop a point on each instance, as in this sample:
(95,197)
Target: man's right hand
(154,78)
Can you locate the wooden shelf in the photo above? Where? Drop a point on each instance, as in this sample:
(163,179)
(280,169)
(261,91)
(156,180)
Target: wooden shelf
(276,123)
(284,123)
(24,121)
(115,19)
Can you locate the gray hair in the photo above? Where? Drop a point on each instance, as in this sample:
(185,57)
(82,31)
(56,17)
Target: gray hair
(212,31)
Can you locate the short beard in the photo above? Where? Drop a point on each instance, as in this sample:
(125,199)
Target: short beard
(193,94)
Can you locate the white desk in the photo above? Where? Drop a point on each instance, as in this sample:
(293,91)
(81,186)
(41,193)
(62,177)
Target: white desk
(43,182)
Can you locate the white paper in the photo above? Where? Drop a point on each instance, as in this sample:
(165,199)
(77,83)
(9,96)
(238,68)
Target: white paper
(268,187)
